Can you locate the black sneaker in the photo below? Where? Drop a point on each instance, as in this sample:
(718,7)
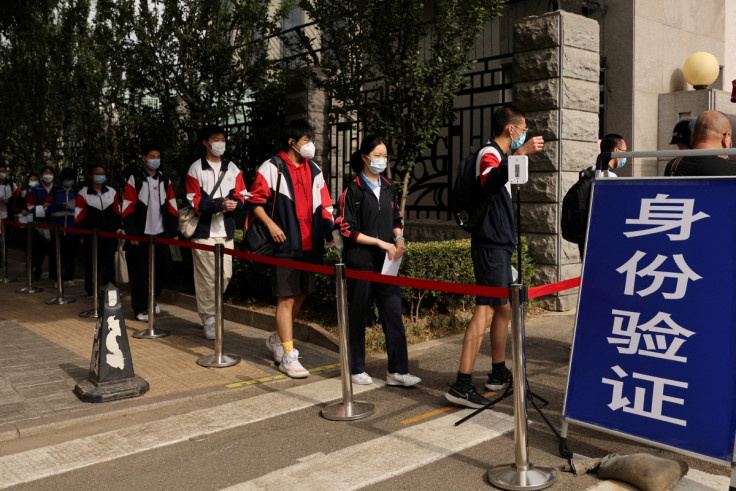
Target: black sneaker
(498,379)
(466,395)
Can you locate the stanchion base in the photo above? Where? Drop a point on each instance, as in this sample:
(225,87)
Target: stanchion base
(151,334)
(90,314)
(348,412)
(226,360)
(7,280)
(30,289)
(61,300)
(506,476)
(89,391)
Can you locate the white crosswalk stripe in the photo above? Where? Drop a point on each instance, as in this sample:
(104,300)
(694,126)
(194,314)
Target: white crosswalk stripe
(36,464)
(394,454)
(390,455)
(694,480)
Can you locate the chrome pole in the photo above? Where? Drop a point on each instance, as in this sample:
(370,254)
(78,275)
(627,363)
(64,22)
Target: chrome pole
(348,409)
(219,359)
(521,474)
(151,332)
(59,300)
(93,312)
(3,237)
(29,266)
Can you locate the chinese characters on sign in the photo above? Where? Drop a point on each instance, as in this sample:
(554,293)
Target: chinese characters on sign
(660,337)
(654,350)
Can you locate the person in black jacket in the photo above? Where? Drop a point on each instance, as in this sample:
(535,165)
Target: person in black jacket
(98,207)
(492,243)
(371,225)
(149,208)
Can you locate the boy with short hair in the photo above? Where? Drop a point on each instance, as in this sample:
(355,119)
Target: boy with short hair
(149,208)
(215,188)
(302,223)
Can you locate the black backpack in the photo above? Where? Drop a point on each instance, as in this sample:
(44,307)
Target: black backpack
(468,203)
(575,208)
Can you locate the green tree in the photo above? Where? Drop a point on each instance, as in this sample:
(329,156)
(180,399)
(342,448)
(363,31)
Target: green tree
(196,62)
(396,65)
(61,79)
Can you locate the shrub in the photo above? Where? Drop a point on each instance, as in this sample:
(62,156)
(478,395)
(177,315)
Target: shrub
(441,261)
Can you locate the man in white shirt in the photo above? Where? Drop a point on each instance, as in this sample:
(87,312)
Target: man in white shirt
(215,189)
(149,208)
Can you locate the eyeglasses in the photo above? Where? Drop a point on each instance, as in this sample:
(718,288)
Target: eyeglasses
(521,131)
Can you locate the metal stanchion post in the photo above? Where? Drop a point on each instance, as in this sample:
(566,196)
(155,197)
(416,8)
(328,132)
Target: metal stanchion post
(60,300)
(348,409)
(29,264)
(219,359)
(4,238)
(93,312)
(151,332)
(521,474)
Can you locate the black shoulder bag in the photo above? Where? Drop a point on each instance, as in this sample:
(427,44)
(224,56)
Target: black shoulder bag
(256,236)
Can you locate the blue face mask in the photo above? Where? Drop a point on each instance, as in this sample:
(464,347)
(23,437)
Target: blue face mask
(516,144)
(67,184)
(153,164)
(99,180)
(621,163)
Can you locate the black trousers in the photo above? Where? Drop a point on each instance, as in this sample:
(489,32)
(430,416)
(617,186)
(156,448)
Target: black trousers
(137,259)
(388,299)
(106,261)
(41,249)
(69,245)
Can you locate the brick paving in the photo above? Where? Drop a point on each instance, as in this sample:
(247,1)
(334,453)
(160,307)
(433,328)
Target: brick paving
(45,351)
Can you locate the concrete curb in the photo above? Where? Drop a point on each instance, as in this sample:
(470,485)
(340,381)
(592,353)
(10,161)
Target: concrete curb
(303,331)
(97,412)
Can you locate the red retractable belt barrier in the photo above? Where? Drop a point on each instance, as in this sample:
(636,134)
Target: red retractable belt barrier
(540,291)
(442,286)
(80,231)
(286,263)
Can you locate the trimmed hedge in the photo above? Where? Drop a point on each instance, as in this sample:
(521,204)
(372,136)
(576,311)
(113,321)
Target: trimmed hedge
(441,261)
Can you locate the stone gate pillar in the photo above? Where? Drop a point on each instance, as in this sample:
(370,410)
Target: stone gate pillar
(556,71)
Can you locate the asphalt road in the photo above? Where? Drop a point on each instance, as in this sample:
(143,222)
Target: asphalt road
(271,435)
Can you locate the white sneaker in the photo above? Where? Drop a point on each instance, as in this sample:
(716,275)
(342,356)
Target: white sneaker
(275,347)
(361,379)
(405,379)
(70,283)
(143,317)
(156,309)
(209,328)
(290,365)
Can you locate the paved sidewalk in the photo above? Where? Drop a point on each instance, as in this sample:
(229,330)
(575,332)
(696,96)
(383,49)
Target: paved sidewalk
(45,351)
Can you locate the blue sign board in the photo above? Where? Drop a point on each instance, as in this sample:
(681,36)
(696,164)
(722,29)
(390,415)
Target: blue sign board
(654,351)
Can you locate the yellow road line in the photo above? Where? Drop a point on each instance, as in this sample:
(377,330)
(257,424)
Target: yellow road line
(437,411)
(279,376)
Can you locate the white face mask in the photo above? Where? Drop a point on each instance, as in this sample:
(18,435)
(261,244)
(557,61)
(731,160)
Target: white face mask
(377,165)
(3,175)
(47,178)
(307,150)
(218,148)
